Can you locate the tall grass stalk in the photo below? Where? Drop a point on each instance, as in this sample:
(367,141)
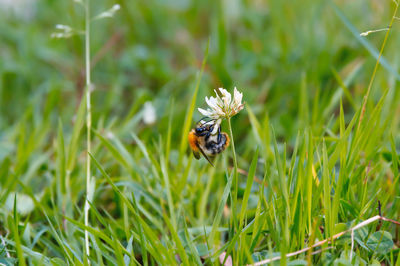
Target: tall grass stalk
(88,120)
(365,100)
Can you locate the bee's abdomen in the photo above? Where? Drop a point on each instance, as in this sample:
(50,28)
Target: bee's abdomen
(213,148)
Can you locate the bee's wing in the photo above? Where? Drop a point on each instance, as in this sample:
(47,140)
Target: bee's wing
(205,156)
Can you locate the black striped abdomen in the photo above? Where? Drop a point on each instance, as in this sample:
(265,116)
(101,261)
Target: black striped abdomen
(213,147)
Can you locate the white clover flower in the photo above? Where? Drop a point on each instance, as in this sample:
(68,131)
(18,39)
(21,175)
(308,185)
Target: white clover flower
(224,107)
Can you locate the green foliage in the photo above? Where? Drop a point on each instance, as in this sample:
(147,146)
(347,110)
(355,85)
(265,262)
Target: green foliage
(312,162)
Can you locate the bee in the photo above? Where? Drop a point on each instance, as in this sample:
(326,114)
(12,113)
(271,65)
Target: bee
(208,140)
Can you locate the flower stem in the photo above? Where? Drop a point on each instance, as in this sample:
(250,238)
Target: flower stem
(235,179)
(88,121)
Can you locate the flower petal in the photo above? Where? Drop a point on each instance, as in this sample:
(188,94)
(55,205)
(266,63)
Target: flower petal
(204,112)
(226,97)
(209,113)
(212,102)
(237,97)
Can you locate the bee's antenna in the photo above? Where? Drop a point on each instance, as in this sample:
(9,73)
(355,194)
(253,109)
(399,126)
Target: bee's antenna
(206,121)
(201,119)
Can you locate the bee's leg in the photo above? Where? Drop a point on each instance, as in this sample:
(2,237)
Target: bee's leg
(207,135)
(219,135)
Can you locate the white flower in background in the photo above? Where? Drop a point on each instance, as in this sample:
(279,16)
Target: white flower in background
(63,31)
(149,113)
(24,203)
(108,13)
(223,107)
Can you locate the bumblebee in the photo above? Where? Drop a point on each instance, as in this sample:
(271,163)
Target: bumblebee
(206,138)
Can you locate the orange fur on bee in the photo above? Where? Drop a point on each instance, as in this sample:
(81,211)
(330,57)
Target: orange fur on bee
(193,141)
(227,140)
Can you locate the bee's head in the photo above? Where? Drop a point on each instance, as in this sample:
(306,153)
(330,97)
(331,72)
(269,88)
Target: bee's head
(200,130)
(203,126)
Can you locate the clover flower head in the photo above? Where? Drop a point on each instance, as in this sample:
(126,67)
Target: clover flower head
(223,107)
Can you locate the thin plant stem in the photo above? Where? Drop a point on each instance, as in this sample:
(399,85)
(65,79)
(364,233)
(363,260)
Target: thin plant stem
(235,179)
(88,121)
(365,100)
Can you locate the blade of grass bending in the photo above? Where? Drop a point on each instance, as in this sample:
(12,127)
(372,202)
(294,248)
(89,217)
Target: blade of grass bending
(344,88)
(220,210)
(97,233)
(107,227)
(189,112)
(114,187)
(154,165)
(379,58)
(100,251)
(335,98)
(364,42)
(142,147)
(119,155)
(36,255)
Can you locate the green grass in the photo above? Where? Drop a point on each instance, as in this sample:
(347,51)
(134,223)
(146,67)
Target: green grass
(314,155)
